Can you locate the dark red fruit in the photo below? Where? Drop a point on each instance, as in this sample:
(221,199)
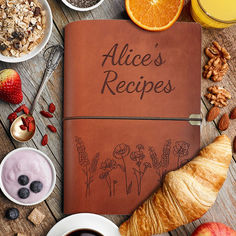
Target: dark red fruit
(23,127)
(30,118)
(45,140)
(31,127)
(12,116)
(52,128)
(20,108)
(52,108)
(46,114)
(25,121)
(26,110)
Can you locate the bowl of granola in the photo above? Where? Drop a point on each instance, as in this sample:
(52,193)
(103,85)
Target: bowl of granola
(25,28)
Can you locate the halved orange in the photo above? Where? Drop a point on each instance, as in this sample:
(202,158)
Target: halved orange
(154,15)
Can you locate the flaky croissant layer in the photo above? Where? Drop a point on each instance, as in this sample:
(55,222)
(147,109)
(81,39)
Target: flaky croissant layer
(186,194)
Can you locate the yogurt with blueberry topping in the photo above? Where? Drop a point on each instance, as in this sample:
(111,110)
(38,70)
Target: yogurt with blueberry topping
(27,176)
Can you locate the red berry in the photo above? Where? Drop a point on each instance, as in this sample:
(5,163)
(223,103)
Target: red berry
(45,140)
(20,108)
(26,110)
(52,108)
(31,127)
(12,116)
(52,128)
(23,127)
(10,86)
(30,118)
(25,121)
(46,114)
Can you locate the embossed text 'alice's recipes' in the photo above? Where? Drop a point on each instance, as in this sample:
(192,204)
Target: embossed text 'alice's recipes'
(125,55)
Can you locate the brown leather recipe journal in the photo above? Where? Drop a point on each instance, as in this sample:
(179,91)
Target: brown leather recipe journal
(131,111)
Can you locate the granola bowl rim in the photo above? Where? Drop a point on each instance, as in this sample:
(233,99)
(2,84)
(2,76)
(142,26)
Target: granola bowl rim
(41,45)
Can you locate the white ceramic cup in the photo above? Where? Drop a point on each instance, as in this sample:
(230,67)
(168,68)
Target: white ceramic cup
(53,176)
(42,44)
(73,230)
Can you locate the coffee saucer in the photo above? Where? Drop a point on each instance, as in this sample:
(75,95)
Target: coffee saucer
(94,222)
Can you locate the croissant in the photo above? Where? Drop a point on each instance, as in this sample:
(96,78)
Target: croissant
(186,194)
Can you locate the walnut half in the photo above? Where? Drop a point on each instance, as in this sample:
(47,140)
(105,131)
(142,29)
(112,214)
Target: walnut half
(218,96)
(217,66)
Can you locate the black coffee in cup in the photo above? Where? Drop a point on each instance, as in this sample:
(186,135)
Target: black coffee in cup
(84,232)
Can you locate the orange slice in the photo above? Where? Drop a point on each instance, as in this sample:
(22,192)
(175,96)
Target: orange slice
(154,15)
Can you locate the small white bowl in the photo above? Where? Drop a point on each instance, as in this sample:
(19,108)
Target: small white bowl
(82,9)
(41,45)
(53,176)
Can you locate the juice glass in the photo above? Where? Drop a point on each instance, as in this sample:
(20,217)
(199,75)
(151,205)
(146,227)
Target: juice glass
(214,13)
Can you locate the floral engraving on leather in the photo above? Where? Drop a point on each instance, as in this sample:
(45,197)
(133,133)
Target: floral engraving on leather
(181,150)
(160,164)
(88,167)
(164,160)
(120,152)
(138,157)
(107,167)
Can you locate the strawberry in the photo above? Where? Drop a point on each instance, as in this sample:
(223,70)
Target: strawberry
(10,86)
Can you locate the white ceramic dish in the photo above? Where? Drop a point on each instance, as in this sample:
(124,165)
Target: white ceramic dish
(82,9)
(84,221)
(53,176)
(37,50)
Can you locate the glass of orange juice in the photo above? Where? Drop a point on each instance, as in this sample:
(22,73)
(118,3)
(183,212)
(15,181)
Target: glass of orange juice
(214,13)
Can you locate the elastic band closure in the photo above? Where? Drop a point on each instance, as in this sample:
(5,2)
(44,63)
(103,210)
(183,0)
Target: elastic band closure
(130,118)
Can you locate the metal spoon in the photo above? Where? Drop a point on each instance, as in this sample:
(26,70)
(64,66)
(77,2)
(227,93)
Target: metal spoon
(53,60)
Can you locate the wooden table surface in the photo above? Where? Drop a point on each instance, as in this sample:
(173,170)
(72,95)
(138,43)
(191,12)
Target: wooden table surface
(224,209)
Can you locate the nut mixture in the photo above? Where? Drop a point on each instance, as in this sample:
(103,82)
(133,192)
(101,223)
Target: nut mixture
(218,96)
(22,25)
(217,66)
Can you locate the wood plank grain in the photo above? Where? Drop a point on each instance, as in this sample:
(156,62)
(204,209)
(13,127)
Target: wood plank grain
(21,224)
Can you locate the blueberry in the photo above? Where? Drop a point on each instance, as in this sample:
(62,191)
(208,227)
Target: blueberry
(12,214)
(23,193)
(36,186)
(23,180)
